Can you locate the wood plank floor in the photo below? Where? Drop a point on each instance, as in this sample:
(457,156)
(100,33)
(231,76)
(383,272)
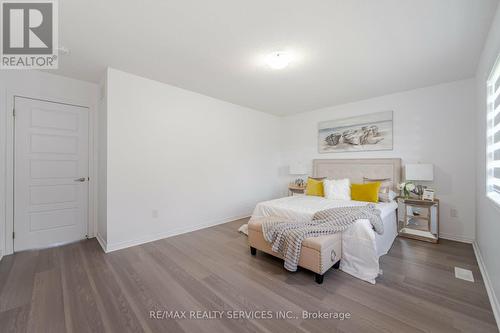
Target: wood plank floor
(78,288)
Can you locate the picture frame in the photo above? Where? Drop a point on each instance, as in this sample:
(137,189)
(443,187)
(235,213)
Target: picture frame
(369,132)
(428,194)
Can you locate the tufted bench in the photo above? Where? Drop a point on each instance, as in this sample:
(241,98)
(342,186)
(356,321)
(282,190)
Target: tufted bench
(318,254)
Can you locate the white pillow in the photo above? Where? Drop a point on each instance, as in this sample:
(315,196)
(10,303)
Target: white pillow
(387,197)
(337,189)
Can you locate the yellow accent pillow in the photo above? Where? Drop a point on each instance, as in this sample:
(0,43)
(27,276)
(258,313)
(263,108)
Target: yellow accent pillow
(315,187)
(365,192)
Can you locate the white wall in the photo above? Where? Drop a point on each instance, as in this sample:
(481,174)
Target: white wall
(431,125)
(488,213)
(196,160)
(102,194)
(32,84)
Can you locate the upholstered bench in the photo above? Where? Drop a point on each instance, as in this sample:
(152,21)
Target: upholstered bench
(318,254)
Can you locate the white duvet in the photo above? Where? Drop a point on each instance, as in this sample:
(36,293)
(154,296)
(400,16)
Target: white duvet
(361,246)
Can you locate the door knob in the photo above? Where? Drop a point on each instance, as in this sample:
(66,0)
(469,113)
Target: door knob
(80,179)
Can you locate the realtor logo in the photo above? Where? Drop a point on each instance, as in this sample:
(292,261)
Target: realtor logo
(29,34)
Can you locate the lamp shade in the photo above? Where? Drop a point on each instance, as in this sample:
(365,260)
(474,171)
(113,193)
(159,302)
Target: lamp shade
(423,172)
(298,169)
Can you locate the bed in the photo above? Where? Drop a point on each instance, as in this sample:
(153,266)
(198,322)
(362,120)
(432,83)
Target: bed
(361,246)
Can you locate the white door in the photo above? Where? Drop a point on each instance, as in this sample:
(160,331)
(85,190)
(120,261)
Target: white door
(50,173)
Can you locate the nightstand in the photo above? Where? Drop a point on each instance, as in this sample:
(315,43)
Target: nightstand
(295,189)
(418,219)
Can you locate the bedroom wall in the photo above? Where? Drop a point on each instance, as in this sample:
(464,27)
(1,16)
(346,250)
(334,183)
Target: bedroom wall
(431,125)
(488,213)
(33,84)
(102,194)
(179,161)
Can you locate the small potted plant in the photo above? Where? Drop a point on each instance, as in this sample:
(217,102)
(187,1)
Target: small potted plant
(406,188)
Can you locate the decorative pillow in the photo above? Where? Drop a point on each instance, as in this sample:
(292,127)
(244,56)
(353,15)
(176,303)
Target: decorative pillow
(385,183)
(386,187)
(387,197)
(337,189)
(315,187)
(365,192)
(318,178)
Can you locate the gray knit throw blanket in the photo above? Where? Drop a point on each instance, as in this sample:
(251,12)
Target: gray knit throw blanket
(286,237)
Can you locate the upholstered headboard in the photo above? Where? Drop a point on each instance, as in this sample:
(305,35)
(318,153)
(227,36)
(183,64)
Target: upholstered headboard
(356,169)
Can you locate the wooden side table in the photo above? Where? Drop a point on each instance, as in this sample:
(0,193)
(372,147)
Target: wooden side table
(418,219)
(295,189)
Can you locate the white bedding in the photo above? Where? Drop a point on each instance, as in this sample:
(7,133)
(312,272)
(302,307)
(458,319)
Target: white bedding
(361,246)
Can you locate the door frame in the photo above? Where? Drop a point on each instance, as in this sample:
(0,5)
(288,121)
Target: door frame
(10,149)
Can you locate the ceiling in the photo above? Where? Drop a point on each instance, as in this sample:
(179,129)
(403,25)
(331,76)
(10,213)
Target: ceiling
(345,50)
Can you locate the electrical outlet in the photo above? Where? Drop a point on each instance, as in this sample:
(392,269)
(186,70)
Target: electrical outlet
(154,213)
(453,212)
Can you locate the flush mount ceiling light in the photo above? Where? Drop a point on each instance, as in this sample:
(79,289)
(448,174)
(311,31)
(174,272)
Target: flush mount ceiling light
(278,60)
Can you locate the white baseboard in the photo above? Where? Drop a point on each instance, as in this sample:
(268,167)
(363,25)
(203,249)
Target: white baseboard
(102,242)
(487,283)
(153,237)
(456,238)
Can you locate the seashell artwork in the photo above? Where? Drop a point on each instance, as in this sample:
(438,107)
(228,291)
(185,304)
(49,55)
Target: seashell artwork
(362,133)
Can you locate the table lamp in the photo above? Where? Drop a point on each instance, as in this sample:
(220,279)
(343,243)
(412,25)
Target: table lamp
(419,172)
(298,169)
